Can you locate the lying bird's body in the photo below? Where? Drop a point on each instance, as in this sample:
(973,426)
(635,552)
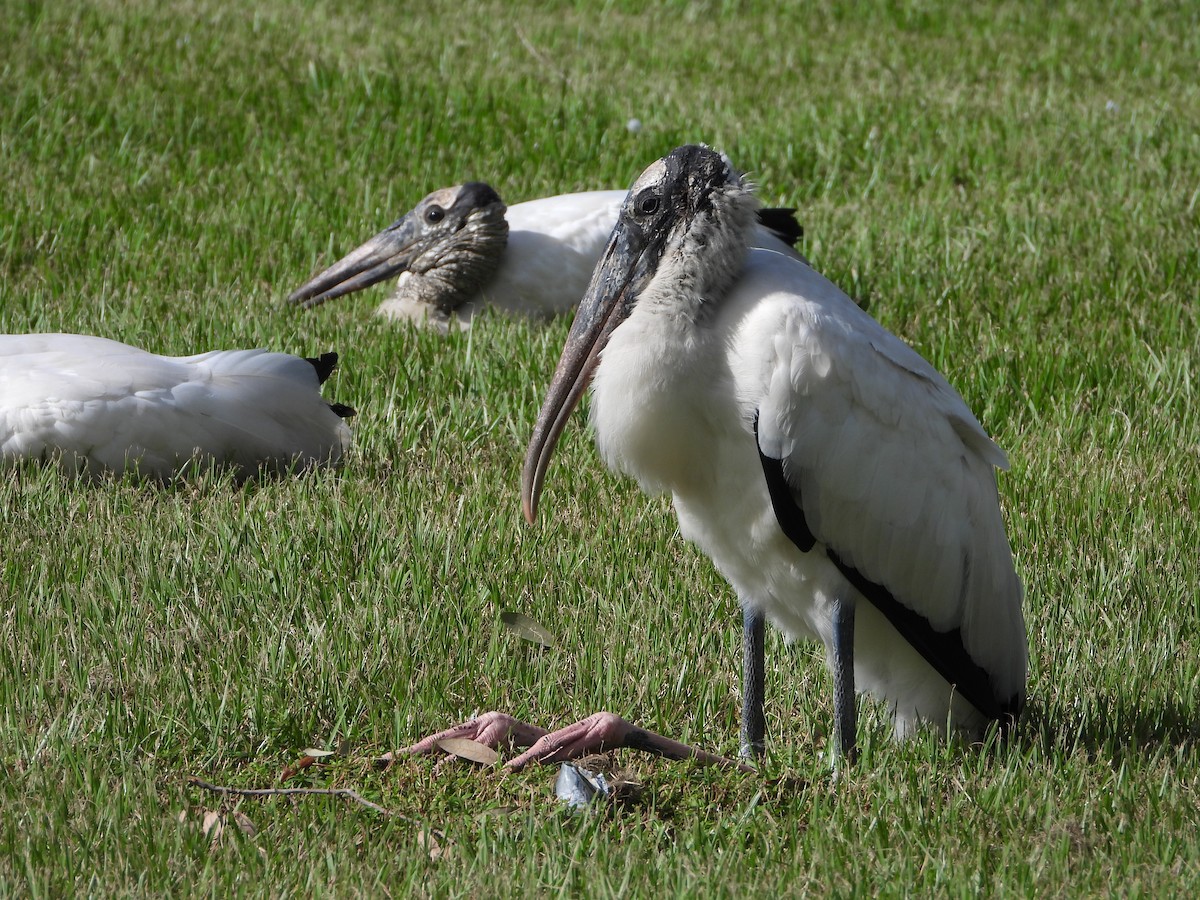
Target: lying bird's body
(461,249)
(93,405)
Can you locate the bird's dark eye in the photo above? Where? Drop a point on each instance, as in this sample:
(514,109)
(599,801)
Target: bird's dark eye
(434,214)
(647,204)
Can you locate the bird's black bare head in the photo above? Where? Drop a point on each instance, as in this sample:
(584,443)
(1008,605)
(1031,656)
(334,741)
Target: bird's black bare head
(689,214)
(680,239)
(451,242)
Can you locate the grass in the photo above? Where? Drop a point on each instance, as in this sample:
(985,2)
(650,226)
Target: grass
(1012,189)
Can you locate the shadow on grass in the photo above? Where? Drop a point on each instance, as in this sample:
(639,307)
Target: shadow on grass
(1112,727)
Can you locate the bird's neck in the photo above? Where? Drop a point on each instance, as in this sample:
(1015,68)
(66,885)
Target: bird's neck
(653,390)
(451,276)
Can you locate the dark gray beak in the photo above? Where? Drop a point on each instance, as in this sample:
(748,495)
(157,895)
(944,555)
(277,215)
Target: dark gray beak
(619,277)
(384,256)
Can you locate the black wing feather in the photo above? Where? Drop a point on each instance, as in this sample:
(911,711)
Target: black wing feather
(781,221)
(943,650)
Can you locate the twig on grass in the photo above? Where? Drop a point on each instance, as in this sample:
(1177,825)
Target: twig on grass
(538,55)
(348,793)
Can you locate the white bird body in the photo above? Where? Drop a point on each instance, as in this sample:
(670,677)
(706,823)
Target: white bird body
(895,472)
(532,259)
(95,404)
(833,476)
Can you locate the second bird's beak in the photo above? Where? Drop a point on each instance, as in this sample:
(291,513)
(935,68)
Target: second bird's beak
(389,253)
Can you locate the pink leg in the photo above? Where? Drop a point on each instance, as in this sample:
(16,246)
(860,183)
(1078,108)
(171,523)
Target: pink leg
(597,733)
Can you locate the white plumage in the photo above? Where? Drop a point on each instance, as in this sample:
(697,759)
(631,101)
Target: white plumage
(460,249)
(553,245)
(894,471)
(99,405)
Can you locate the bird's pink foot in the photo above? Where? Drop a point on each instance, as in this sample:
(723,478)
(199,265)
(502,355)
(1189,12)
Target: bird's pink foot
(605,731)
(493,729)
(597,733)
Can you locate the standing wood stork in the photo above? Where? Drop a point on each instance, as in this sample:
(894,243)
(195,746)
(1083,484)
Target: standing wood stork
(94,405)
(834,476)
(460,248)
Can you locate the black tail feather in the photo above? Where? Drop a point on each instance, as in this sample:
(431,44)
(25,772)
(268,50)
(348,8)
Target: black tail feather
(324,364)
(781,221)
(343,410)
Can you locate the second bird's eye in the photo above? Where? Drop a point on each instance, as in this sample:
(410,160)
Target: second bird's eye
(434,214)
(647,204)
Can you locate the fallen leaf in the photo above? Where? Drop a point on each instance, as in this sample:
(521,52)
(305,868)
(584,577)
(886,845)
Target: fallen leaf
(212,825)
(431,845)
(318,754)
(244,823)
(300,765)
(465,748)
(527,629)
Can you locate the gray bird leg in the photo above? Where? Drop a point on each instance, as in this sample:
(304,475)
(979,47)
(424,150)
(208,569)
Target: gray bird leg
(842,662)
(754,723)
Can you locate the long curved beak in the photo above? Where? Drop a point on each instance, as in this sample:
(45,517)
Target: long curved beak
(616,282)
(386,254)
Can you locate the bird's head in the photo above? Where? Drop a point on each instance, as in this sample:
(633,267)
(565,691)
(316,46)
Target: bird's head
(679,242)
(452,240)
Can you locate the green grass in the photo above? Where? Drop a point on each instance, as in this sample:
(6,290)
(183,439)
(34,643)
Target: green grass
(1015,190)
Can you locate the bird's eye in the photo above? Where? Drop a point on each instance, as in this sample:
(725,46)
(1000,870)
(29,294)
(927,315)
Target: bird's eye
(434,214)
(647,204)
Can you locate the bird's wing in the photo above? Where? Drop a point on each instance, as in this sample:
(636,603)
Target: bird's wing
(254,408)
(580,221)
(882,459)
(553,245)
(81,396)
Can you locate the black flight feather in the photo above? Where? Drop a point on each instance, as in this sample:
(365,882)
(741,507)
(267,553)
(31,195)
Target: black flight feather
(781,222)
(943,650)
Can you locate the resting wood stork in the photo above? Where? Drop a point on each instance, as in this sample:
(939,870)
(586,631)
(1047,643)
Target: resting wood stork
(460,248)
(97,405)
(834,476)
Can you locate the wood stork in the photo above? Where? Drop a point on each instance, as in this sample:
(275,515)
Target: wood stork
(95,405)
(460,248)
(835,478)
